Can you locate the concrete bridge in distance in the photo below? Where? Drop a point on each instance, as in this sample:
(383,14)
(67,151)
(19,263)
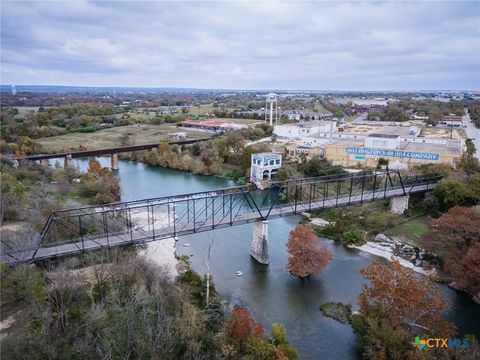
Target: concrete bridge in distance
(77,231)
(113,152)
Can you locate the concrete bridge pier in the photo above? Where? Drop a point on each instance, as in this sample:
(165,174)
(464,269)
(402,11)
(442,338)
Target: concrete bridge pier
(67,161)
(259,247)
(398,204)
(114,161)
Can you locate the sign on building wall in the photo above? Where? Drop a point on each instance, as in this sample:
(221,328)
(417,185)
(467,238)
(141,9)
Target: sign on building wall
(266,157)
(393,153)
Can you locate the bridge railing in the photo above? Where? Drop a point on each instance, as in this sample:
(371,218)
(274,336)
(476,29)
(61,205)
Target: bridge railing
(352,188)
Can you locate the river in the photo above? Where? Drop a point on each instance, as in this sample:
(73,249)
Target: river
(269,292)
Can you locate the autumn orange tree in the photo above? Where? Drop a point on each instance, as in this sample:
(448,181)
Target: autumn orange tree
(242,325)
(27,146)
(307,255)
(396,293)
(395,307)
(95,169)
(455,236)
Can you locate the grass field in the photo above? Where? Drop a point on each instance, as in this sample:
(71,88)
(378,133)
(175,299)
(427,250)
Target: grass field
(201,110)
(410,231)
(375,217)
(319,108)
(112,137)
(24,110)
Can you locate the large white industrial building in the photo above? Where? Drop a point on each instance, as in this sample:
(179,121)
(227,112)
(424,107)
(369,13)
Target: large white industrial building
(305,129)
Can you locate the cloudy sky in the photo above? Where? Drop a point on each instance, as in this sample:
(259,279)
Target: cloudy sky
(243,44)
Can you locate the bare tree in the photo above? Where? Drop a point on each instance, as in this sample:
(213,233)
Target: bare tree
(208,255)
(16,243)
(64,292)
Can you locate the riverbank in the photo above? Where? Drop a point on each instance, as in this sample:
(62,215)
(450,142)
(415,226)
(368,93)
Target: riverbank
(353,234)
(387,250)
(162,253)
(185,162)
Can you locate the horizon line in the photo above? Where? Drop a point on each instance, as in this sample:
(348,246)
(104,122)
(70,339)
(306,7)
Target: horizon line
(235,89)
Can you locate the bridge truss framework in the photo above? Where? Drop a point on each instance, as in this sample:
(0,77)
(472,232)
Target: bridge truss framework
(76,231)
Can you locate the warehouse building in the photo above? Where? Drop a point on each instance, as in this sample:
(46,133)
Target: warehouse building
(305,129)
(363,145)
(212,125)
(402,153)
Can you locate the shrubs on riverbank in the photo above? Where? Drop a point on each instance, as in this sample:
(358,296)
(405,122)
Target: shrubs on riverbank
(125,307)
(31,191)
(100,185)
(203,158)
(355,225)
(338,311)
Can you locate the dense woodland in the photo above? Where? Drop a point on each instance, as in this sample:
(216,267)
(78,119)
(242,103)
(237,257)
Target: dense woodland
(123,306)
(59,120)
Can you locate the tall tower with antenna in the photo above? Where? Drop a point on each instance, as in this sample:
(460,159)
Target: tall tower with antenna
(271,108)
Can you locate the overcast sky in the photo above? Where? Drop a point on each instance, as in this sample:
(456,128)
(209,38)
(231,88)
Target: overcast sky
(243,45)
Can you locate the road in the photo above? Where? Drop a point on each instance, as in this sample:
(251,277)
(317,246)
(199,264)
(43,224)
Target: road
(472,132)
(265,139)
(361,118)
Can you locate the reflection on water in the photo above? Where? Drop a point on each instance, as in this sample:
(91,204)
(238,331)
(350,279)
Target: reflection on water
(270,293)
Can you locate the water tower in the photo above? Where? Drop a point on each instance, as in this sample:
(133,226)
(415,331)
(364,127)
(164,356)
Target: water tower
(271,106)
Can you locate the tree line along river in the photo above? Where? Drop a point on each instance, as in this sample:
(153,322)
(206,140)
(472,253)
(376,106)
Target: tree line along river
(269,292)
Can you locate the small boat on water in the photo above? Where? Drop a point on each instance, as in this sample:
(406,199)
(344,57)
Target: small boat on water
(239,273)
(187,244)
(175,238)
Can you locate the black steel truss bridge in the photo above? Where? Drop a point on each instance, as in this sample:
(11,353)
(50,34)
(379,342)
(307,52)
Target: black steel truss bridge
(77,231)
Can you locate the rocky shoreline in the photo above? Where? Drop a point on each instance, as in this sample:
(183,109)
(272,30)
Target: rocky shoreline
(389,248)
(409,256)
